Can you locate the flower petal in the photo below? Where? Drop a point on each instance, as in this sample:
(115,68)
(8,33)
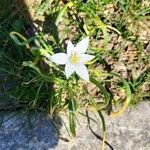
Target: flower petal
(69,69)
(59,58)
(85,58)
(82,46)
(82,71)
(70,48)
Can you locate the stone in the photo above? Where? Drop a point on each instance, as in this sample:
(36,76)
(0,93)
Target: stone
(21,131)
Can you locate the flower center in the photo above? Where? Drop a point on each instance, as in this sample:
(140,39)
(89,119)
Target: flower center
(74,58)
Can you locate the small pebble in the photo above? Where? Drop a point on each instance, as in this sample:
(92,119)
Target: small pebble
(148,48)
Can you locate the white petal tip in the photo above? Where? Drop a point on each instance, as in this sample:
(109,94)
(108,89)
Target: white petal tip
(67,77)
(82,46)
(86,79)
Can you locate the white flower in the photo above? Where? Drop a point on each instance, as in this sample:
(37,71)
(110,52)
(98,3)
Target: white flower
(75,59)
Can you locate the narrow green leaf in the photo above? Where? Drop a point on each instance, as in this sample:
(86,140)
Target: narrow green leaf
(103,90)
(59,18)
(72,123)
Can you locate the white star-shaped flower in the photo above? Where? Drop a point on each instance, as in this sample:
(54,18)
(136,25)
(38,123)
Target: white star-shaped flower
(75,59)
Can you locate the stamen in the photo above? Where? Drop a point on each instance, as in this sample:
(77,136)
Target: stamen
(74,58)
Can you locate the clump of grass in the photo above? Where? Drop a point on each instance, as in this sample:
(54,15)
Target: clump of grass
(39,84)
